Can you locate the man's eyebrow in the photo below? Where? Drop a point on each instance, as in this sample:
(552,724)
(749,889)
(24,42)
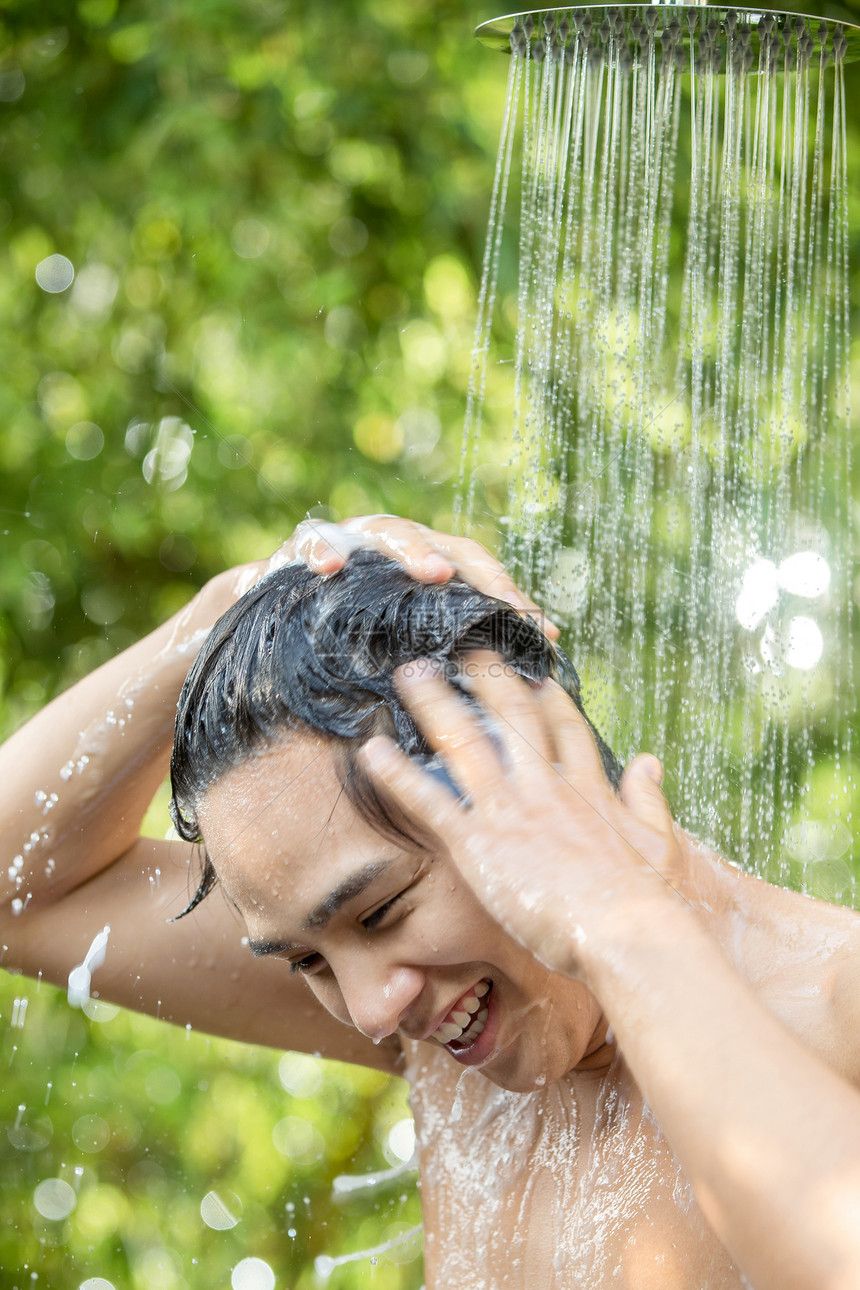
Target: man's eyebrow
(323,913)
(261,948)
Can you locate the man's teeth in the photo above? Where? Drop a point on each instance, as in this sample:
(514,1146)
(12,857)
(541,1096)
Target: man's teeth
(467,1019)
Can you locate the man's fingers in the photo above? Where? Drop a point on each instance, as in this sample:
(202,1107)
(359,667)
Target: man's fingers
(425,554)
(641,793)
(450,726)
(482,571)
(434,557)
(420,796)
(510,712)
(575,747)
(504,734)
(324,547)
(412,545)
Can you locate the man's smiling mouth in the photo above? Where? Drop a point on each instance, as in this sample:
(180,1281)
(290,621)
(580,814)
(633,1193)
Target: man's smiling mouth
(467,1018)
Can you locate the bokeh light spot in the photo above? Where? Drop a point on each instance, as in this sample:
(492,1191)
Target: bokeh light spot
(55,273)
(424,351)
(166,463)
(448,288)
(102,605)
(344,329)
(177,552)
(235,451)
(759,594)
(300,1074)
(159,1269)
(91,1134)
(84,440)
(28,1134)
(378,437)
(298,1140)
(97,13)
(51,43)
(163,1085)
(54,1199)
(806,573)
(805,643)
(348,236)
(401,1139)
(95,290)
(420,428)
(217,1214)
(12,84)
(98,1010)
(407,66)
(249,238)
(252,1274)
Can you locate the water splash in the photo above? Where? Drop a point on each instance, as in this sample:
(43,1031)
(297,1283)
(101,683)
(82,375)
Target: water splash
(80,977)
(325,1265)
(349,1184)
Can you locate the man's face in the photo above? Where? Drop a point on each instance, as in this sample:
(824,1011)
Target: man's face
(390,938)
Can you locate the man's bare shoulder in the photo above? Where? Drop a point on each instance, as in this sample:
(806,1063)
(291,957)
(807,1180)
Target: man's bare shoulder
(802,957)
(822,986)
(845,996)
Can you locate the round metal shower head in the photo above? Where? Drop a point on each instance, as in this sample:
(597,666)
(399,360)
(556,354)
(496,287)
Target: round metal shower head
(690,34)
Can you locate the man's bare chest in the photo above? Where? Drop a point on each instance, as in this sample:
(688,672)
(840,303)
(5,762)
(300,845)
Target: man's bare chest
(566,1189)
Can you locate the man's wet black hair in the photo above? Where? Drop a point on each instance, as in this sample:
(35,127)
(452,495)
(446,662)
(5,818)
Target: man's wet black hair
(303,652)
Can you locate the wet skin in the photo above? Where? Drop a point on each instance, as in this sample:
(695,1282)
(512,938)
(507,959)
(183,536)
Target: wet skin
(388,936)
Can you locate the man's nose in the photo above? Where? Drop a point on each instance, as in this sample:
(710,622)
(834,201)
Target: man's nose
(378,999)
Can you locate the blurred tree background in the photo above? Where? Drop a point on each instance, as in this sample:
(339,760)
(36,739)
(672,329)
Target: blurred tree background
(240,252)
(273,215)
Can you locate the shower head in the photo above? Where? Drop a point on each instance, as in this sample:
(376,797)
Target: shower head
(691,35)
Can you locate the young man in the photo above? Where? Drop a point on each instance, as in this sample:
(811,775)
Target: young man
(584,997)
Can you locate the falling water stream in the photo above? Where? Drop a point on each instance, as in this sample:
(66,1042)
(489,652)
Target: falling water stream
(680,448)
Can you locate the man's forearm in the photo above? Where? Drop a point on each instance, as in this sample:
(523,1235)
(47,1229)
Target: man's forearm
(77,779)
(766,1132)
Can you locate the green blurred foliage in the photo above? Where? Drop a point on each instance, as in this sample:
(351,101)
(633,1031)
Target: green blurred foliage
(275,215)
(154,1157)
